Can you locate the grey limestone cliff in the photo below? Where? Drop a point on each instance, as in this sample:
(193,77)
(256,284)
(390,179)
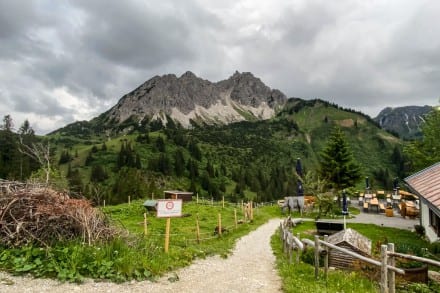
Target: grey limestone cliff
(189,97)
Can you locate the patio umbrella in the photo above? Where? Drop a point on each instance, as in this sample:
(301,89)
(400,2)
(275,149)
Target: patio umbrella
(344,206)
(367,183)
(298,168)
(300,189)
(395,183)
(344,203)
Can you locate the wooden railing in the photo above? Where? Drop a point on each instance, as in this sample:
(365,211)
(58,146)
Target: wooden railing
(387,284)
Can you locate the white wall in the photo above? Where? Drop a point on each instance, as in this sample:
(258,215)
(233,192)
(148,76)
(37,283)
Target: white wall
(429,232)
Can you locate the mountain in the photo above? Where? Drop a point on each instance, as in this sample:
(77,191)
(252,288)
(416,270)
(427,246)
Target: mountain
(240,140)
(189,98)
(403,121)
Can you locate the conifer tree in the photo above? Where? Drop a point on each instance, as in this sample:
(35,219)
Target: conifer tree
(337,162)
(179,163)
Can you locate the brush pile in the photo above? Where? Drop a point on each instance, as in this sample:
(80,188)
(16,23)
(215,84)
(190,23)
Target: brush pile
(43,216)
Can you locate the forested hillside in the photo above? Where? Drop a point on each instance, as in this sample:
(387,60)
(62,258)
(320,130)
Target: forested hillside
(254,160)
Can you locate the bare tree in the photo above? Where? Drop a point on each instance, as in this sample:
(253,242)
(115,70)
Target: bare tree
(39,152)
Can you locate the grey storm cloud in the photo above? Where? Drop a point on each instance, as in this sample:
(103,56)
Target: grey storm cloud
(67,60)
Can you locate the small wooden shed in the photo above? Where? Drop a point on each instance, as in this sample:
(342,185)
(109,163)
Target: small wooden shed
(177,194)
(351,240)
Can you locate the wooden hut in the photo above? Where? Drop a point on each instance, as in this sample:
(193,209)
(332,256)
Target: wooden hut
(351,240)
(177,194)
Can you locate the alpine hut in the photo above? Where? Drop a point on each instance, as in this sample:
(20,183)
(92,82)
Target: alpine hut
(177,194)
(350,240)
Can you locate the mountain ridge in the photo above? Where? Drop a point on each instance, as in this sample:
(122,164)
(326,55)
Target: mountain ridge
(404,121)
(189,97)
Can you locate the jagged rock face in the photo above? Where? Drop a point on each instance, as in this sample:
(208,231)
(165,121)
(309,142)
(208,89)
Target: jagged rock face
(405,121)
(189,97)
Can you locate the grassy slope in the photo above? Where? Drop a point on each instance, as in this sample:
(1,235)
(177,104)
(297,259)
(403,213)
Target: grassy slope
(372,147)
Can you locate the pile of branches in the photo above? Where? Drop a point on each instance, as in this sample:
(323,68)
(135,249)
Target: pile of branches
(43,216)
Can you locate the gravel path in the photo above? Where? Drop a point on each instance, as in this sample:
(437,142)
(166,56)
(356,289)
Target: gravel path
(250,268)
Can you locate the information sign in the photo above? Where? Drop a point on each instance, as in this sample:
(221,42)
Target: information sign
(169,208)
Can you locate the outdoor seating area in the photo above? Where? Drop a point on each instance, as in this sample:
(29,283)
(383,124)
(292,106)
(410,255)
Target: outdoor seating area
(400,203)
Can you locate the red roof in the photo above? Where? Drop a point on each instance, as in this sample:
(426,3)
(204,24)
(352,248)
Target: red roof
(427,184)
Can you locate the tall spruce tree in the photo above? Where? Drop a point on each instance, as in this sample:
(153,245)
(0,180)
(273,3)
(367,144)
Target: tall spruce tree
(337,162)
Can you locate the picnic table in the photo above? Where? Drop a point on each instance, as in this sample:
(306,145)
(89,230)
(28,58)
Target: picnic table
(374,204)
(396,199)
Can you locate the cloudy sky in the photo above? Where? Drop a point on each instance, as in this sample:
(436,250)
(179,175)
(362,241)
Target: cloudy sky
(63,61)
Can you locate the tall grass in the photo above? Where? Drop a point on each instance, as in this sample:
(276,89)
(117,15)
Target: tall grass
(135,255)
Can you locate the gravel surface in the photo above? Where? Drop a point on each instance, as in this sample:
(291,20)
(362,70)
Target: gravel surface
(250,268)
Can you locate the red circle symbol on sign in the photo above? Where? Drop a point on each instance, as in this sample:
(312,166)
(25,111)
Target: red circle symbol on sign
(169,205)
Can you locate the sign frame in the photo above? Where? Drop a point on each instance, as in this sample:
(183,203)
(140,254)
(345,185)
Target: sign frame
(169,208)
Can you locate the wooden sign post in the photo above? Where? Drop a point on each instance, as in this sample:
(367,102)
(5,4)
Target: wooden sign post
(168,208)
(167,234)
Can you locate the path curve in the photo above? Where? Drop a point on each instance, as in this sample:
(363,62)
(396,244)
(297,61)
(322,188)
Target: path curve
(250,268)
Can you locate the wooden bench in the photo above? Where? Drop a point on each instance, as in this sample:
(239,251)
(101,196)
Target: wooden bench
(381,208)
(328,228)
(366,207)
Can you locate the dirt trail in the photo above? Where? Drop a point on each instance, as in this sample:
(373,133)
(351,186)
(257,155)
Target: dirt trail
(250,268)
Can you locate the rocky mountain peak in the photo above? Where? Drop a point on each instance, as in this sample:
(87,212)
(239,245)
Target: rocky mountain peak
(188,75)
(189,97)
(404,121)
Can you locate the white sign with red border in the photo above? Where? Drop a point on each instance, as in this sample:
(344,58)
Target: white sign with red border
(168,208)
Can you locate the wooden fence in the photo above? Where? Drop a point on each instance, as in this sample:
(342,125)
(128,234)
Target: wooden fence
(322,247)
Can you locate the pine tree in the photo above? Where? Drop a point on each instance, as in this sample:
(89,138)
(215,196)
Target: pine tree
(179,163)
(337,162)
(160,144)
(98,174)
(194,150)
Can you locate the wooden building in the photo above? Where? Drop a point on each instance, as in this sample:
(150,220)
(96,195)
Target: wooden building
(177,194)
(426,185)
(351,240)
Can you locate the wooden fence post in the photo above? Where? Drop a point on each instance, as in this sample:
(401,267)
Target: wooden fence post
(316,256)
(197,197)
(129,200)
(383,269)
(219,224)
(245,212)
(251,216)
(290,246)
(326,256)
(145,224)
(197,229)
(223,201)
(235,218)
(391,274)
(104,202)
